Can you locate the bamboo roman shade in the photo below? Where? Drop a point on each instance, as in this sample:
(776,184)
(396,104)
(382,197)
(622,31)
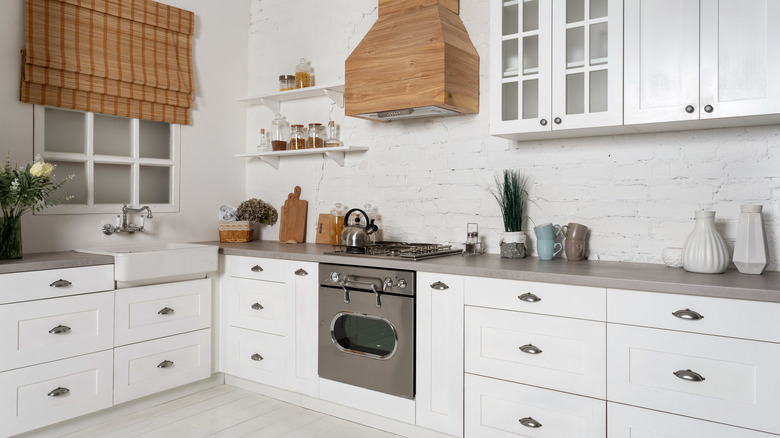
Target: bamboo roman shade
(130,58)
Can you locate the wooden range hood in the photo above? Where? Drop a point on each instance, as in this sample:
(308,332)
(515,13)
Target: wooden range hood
(416,61)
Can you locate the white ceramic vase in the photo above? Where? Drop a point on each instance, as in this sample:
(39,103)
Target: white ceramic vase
(704,250)
(750,248)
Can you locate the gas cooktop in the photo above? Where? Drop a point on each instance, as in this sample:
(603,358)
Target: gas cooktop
(401,250)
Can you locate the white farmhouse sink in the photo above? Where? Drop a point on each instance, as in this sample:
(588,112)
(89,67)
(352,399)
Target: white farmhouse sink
(137,265)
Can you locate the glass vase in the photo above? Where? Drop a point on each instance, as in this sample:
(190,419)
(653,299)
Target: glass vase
(10,237)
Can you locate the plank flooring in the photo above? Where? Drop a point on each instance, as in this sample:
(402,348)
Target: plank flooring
(229,412)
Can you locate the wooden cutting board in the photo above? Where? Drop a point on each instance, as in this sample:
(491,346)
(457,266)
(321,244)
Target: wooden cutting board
(292,226)
(323,228)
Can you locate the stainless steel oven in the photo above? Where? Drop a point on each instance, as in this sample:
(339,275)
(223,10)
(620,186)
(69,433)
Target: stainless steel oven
(366,327)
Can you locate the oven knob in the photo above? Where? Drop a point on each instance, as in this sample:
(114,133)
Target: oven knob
(334,277)
(402,283)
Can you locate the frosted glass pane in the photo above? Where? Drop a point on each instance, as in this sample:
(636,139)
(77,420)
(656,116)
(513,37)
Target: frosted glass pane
(510,58)
(575,47)
(531,99)
(155,185)
(509,20)
(598,44)
(575,10)
(112,184)
(113,135)
(598,91)
(154,139)
(77,187)
(598,8)
(530,15)
(64,131)
(531,55)
(575,93)
(509,101)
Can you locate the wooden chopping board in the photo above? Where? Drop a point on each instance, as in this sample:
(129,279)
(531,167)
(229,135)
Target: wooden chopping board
(292,226)
(323,228)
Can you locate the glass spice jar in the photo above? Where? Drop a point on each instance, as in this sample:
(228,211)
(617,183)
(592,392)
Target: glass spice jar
(332,140)
(303,74)
(280,133)
(297,137)
(286,82)
(316,137)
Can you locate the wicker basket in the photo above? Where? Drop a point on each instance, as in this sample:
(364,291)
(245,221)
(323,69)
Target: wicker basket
(236,231)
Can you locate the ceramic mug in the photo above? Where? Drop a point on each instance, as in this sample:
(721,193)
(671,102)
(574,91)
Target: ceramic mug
(548,248)
(547,231)
(574,231)
(575,249)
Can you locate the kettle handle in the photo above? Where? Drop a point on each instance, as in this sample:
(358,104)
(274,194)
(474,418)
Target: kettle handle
(370,227)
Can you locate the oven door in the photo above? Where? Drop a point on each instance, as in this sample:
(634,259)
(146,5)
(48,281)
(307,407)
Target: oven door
(364,345)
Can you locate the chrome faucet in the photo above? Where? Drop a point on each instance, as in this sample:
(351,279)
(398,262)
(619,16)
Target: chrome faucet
(125,227)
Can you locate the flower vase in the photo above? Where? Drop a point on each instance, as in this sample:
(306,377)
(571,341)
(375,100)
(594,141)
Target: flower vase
(512,245)
(10,237)
(704,250)
(750,248)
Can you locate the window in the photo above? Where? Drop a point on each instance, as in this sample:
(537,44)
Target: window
(115,160)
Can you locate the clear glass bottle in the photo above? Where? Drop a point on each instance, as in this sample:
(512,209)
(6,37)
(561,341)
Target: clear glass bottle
(263,146)
(336,224)
(297,137)
(316,136)
(373,214)
(280,133)
(303,74)
(332,140)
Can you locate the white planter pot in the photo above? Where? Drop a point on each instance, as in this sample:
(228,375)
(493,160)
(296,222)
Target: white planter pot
(513,244)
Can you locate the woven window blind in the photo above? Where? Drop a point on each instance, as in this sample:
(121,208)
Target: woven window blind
(130,58)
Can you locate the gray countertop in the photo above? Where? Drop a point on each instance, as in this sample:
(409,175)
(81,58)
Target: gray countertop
(53,260)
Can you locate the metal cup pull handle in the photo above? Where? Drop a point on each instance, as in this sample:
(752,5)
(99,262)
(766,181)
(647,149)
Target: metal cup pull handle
(257,268)
(257,306)
(60,329)
(58,392)
(691,376)
(257,357)
(439,286)
(165,364)
(688,314)
(530,422)
(528,297)
(530,349)
(60,283)
(301,272)
(165,311)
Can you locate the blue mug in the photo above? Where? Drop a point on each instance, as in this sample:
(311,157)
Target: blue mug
(547,231)
(548,248)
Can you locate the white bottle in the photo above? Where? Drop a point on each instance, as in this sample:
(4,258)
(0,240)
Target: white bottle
(751,252)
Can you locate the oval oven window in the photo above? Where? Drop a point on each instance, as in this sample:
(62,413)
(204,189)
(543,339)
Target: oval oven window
(364,335)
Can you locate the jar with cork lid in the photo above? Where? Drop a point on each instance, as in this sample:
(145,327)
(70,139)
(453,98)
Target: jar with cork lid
(303,74)
(297,137)
(316,137)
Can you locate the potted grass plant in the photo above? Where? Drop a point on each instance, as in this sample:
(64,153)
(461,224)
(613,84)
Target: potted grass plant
(511,195)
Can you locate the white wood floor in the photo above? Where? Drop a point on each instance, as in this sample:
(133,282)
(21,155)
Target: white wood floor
(227,411)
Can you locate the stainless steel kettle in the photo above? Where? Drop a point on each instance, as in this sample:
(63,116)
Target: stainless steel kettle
(356,236)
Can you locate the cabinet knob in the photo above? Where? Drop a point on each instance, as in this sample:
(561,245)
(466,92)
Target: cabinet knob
(257,268)
(708,108)
(530,422)
(165,311)
(691,376)
(543,122)
(528,297)
(301,272)
(257,306)
(59,330)
(165,364)
(61,283)
(439,286)
(58,392)
(257,357)
(688,314)
(689,109)
(530,349)
(557,120)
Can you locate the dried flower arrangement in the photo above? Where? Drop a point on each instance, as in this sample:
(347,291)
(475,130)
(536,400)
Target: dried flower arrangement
(255,210)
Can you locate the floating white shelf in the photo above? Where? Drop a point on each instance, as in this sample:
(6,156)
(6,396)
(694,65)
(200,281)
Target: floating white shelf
(336,154)
(273,101)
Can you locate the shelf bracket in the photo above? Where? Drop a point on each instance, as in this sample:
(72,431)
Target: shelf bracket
(272,160)
(272,104)
(337,156)
(336,96)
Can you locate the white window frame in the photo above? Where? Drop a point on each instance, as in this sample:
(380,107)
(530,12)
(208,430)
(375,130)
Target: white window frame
(90,159)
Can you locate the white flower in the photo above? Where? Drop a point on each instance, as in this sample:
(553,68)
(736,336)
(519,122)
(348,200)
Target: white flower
(41,168)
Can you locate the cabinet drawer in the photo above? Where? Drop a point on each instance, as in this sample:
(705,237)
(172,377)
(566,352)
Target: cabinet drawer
(149,312)
(257,305)
(256,356)
(25,400)
(258,269)
(559,353)
(39,331)
(719,316)
(543,298)
(741,383)
(35,285)
(495,409)
(630,422)
(153,366)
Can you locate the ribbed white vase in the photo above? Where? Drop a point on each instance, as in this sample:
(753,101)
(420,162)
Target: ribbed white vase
(750,248)
(704,250)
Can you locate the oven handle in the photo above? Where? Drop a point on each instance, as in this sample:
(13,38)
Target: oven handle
(371,284)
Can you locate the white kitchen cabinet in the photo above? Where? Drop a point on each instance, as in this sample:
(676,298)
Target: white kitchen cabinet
(555,67)
(52,283)
(700,59)
(439,352)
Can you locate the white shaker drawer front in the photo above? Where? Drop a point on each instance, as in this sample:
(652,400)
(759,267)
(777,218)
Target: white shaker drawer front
(631,422)
(39,331)
(256,356)
(40,395)
(153,366)
(257,305)
(35,285)
(716,316)
(559,353)
(730,381)
(258,269)
(543,298)
(149,312)
(499,409)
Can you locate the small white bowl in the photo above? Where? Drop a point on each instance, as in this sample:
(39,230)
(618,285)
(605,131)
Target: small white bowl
(672,257)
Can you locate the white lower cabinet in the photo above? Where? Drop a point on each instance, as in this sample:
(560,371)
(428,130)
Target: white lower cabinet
(255,356)
(500,409)
(44,394)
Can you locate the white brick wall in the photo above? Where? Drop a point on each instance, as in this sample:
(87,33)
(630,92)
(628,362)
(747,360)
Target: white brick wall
(428,178)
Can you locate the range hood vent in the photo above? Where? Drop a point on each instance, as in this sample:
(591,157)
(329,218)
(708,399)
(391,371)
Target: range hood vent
(416,61)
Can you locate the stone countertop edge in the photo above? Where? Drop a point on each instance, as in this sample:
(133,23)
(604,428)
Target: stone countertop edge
(53,260)
(603,274)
